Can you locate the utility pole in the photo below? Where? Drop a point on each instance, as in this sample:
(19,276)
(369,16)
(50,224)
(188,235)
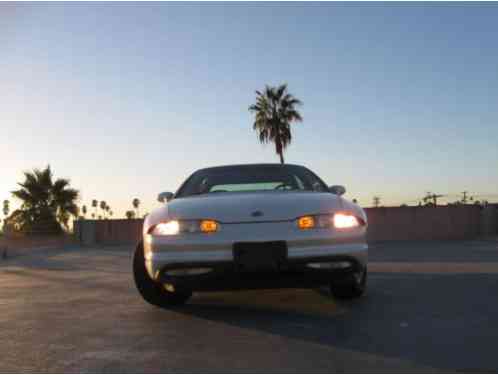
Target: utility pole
(464,198)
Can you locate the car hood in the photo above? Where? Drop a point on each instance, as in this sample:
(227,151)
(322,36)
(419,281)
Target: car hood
(253,206)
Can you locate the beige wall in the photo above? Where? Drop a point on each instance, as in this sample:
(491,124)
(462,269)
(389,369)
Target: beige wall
(385,224)
(423,223)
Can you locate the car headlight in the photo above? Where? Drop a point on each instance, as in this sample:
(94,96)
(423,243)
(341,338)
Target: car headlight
(337,221)
(345,221)
(174,227)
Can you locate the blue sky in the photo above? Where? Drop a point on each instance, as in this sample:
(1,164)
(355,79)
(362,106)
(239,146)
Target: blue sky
(129,99)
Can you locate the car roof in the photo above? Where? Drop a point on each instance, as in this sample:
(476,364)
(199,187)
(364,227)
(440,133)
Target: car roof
(272,165)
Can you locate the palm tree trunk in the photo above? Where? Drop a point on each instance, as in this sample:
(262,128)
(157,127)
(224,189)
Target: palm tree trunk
(281,157)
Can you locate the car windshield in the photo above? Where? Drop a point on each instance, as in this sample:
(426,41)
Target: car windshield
(251,178)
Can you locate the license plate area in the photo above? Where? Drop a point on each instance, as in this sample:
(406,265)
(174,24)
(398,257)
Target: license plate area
(259,256)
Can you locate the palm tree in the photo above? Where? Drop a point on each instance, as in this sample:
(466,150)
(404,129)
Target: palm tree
(130,214)
(95,203)
(376,201)
(275,110)
(136,204)
(83,210)
(103,204)
(45,203)
(6,208)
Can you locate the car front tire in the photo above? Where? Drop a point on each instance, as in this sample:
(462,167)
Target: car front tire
(351,287)
(150,290)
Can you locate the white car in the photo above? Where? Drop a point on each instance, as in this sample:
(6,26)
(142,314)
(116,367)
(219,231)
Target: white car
(251,226)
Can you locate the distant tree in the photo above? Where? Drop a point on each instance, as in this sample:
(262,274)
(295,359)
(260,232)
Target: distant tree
(111,213)
(84,210)
(376,201)
(130,214)
(93,215)
(136,204)
(6,208)
(107,209)
(95,204)
(274,111)
(430,199)
(46,204)
(102,207)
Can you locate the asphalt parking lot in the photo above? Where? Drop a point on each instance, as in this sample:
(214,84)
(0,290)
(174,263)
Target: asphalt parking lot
(430,307)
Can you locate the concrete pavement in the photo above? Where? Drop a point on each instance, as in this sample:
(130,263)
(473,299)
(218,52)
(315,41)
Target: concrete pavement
(431,306)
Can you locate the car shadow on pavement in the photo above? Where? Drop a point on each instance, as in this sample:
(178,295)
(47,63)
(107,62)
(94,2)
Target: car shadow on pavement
(444,321)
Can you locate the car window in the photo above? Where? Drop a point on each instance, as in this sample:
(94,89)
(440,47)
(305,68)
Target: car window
(245,187)
(251,178)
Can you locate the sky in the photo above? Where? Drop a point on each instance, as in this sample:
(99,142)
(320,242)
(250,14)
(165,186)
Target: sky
(128,99)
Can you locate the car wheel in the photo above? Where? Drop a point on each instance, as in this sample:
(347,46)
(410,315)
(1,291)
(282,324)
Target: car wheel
(353,286)
(150,290)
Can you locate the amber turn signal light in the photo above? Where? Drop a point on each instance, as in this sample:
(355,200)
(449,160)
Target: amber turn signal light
(306,222)
(208,226)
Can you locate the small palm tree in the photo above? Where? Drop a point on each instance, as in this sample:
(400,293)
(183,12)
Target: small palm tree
(274,111)
(136,204)
(83,210)
(130,214)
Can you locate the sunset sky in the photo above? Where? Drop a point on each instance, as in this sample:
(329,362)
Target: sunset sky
(127,100)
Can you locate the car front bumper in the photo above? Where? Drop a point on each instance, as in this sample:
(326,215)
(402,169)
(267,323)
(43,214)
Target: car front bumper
(313,256)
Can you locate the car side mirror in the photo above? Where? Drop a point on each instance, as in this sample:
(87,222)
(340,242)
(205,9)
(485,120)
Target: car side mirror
(165,197)
(337,189)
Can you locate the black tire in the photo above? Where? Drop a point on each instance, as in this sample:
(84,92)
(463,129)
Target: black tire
(150,290)
(351,287)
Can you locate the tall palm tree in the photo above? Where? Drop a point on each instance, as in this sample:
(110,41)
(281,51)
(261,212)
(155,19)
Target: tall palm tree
(6,208)
(95,203)
(274,111)
(103,205)
(376,201)
(136,204)
(45,203)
